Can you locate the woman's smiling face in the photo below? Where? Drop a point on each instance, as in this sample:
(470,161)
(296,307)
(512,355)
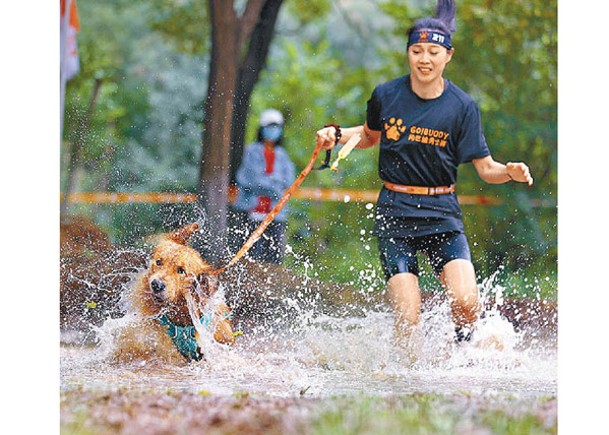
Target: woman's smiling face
(427,61)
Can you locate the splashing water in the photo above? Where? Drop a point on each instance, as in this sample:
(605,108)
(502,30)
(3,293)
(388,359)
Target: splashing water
(299,350)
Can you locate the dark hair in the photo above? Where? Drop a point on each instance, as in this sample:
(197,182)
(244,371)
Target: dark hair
(444,21)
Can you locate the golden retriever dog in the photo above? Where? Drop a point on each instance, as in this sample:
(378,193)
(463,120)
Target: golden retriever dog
(167,299)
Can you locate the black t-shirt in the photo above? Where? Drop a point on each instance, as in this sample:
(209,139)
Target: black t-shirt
(422,144)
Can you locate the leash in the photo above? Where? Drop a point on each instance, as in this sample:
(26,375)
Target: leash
(326,163)
(275,211)
(282,202)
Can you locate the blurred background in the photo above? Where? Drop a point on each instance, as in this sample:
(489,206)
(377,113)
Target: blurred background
(158,81)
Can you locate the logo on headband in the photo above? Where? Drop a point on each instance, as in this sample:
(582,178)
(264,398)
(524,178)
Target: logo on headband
(429,36)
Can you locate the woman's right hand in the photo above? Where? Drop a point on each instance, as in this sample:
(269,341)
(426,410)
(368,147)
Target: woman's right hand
(327,137)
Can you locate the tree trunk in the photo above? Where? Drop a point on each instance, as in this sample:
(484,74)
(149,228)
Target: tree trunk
(76,148)
(215,156)
(249,71)
(230,35)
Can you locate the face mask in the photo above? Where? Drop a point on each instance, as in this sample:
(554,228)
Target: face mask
(271,132)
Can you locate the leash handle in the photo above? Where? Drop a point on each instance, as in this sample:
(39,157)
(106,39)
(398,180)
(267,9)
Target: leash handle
(326,163)
(337,134)
(273,213)
(346,150)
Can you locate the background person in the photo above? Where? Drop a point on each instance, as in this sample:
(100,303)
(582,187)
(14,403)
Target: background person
(426,126)
(266,171)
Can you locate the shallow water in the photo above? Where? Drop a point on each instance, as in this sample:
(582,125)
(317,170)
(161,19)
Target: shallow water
(297,351)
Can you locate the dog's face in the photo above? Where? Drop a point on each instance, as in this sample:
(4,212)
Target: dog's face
(176,269)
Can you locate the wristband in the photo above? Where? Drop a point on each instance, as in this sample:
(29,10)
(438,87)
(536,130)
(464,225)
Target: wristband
(337,133)
(508,172)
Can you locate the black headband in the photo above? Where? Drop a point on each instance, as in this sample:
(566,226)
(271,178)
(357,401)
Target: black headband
(430,36)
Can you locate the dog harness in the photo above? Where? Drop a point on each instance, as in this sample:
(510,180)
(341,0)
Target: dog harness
(184,336)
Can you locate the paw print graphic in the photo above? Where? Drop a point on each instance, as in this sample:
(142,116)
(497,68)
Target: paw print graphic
(394,128)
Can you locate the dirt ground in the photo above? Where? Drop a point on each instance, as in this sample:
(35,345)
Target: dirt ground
(174,413)
(160,413)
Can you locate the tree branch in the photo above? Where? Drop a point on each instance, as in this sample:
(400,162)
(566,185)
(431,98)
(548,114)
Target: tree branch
(248,21)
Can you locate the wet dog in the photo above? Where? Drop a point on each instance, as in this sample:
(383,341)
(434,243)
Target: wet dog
(167,299)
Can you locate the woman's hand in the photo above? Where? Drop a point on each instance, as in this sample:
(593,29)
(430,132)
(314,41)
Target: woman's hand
(519,172)
(327,137)
(497,173)
(368,138)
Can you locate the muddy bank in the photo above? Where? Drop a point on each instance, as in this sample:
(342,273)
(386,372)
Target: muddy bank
(129,412)
(170,413)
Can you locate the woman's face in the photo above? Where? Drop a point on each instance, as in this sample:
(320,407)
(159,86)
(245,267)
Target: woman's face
(427,61)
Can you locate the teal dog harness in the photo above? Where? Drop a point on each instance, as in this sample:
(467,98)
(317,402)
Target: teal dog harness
(184,337)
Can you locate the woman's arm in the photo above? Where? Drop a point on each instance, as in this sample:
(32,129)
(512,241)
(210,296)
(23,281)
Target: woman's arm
(494,172)
(327,136)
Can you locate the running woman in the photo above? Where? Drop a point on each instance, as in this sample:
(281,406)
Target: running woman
(426,127)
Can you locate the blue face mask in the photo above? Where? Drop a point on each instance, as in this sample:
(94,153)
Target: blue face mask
(271,132)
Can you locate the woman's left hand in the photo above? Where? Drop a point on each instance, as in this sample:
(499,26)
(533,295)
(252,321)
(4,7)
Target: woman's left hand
(519,172)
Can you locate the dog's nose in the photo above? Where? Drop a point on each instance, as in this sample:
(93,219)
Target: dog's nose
(157,286)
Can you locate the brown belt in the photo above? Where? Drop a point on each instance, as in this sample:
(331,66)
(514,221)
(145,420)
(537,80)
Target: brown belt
(420,190)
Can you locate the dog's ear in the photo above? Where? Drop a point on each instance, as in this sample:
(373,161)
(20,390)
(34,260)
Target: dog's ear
(182,235)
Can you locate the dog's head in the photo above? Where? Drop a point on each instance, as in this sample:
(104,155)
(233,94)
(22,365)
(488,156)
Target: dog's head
(175,270)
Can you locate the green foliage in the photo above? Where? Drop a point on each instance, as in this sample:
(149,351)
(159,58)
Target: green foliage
(146,126)
(183,22)
(304,70)
(104,43)
(508,60)
(309,11)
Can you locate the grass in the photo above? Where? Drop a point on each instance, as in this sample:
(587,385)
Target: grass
(425,414)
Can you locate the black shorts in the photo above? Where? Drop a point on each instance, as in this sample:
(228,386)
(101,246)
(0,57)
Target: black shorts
(399,254)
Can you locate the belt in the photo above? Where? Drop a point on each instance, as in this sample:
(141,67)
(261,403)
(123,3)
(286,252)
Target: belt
(420,190)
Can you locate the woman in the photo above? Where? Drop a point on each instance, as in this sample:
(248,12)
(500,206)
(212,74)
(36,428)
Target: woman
(266,171)
(426,126)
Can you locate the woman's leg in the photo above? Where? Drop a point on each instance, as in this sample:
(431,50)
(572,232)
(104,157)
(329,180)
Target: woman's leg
(459,279)
(400,266)
(405,299)
(451,259)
